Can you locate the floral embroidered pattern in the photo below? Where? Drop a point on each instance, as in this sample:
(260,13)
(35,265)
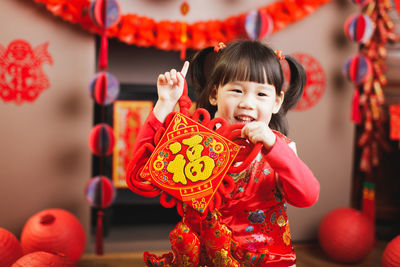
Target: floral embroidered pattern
(257,216)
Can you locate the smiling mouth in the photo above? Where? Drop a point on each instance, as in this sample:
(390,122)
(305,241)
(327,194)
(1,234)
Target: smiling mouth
(244,119)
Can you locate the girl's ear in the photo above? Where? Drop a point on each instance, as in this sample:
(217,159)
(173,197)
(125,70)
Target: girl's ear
(213,97)
(278,102)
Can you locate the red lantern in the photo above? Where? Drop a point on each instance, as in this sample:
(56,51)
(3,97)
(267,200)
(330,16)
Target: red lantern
(258,24)
(100,193)
(359,28)
(391,254)
(10,249)
(41,258)
(101,140)
(346,235)
(358,69)
(56,231)
(104,88)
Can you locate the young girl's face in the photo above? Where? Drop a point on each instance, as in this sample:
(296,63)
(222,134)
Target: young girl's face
(245,101)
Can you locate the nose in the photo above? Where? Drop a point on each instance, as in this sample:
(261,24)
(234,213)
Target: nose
(246,102)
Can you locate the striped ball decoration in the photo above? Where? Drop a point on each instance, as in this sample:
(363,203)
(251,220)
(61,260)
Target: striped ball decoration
(42,258)
(101,140)
(100,192)
(104,88)
(391,254)
(359,28)
(258,24)
(112,13)
(55,231)
(10,248)
(358,69)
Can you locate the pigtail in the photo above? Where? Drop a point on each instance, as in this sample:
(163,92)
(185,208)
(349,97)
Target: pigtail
(298,79)
(200,70)
(293,94)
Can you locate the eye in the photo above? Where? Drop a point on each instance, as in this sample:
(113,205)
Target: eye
(236,91)
(262,94)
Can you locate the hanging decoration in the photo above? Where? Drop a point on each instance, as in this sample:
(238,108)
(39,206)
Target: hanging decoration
(100,193)
(166,35)
(366,70)
(21,75)
(316,80)
(104,89)
(258,24)
(190,162)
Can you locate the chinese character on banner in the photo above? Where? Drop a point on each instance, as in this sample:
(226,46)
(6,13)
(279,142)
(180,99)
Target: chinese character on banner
(21,74)
(190,162)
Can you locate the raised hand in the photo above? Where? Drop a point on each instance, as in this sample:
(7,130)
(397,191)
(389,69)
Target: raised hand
(170,87)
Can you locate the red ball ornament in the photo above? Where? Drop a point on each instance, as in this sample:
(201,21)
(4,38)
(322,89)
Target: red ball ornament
(359,28)
(42,258)
(10,248)
(391,254)
(258,24)
(104,88)
(100,192)
(358,69)
(110,8)
(101,140)
(55,231)
(346,235)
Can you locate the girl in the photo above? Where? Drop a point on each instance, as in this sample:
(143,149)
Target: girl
(241,83)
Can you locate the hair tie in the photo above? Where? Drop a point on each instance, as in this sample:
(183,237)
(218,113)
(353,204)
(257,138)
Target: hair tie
(219,47)
(279,54)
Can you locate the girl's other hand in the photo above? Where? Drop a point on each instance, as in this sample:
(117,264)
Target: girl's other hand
(259,132)
(170,87)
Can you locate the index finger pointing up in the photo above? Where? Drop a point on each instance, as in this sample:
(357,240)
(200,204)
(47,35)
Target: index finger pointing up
(185,68)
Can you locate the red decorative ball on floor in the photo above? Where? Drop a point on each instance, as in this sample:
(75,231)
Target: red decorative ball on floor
(10,248)
(55,231)
(346,235)
(391,254)
(41,258)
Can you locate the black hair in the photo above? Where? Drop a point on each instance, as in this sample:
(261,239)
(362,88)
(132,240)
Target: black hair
(246,60)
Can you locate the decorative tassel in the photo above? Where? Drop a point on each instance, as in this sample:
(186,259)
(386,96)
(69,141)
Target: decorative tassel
(99,233)
(356,115)
(368,201)
(103,57)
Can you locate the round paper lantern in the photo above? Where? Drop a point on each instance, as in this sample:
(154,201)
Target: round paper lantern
(391,254)
(357,69)
(42,258)
(10,248)
(359,28)
(104,88)
(112,13)
(346,235)
(100,192)
(55,231)
(101,140)
(258,24)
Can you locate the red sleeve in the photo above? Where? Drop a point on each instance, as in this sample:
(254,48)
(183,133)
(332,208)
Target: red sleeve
(147,131)
(300,187)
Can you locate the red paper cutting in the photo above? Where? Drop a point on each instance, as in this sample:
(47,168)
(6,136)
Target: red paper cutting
(190,162)
(21,74)
(316,81)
